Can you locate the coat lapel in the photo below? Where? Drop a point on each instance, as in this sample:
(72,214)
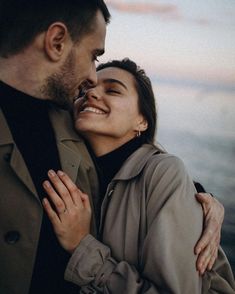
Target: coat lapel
(16,160)
(68,143)
(67,140)
(69,160)
(18,165)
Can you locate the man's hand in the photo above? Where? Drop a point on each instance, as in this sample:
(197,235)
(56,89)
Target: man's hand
(207,247)
(71,215)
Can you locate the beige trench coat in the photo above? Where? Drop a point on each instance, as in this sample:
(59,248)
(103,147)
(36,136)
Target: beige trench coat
(20,207)
(150,225)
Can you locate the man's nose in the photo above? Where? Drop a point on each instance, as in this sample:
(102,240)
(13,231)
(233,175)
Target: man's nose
(92,78)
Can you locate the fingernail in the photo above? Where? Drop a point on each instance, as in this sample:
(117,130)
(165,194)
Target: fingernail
(51,173)
(46,184)
(44,201)
(198,250)
(60,173)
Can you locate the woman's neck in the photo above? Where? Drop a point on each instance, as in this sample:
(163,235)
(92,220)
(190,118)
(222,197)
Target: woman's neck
(102,145)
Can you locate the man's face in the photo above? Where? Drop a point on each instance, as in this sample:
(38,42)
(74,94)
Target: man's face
(79,67)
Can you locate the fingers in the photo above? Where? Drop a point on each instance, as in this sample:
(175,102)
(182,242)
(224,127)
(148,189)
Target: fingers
(54,197)
(74,191)
(71,217)
(203,260)
(86,201)
(206,239)
(206,259)
(61,190)
(212,260)
(207,246)
(210,236)
(207,249)
(64,194)
(203,198)
(51,213)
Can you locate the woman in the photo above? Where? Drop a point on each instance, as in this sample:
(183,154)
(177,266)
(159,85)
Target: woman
(148,218)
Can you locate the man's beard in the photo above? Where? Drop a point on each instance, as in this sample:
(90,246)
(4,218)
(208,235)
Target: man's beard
(58,86)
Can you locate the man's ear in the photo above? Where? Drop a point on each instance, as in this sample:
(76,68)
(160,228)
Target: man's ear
(56,39)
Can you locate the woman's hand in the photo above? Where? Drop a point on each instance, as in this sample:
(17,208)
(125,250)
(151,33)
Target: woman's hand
(71,216)
(207,246)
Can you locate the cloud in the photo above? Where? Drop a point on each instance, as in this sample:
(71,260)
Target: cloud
(146,8)
(165,11)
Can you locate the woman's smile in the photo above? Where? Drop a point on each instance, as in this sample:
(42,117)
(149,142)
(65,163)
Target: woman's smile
(93,110)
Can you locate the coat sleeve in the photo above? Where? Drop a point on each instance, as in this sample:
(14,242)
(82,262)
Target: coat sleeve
(167,260)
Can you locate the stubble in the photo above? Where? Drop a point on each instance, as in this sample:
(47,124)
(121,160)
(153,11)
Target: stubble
(59,87)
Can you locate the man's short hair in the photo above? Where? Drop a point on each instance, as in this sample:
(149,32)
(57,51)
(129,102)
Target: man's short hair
(22,20)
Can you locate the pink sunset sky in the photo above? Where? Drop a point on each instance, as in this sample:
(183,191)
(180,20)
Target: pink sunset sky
(178,38)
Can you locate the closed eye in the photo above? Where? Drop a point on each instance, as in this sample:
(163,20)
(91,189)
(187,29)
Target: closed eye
(113,91)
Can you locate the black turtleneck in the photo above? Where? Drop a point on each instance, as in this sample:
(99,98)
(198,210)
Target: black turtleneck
(32,131)
(108,165)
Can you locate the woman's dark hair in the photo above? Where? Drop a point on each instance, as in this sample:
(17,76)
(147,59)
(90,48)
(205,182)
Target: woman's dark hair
(22,20)
(144,89)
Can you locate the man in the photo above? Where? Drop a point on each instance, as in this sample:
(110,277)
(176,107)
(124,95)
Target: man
(48,50)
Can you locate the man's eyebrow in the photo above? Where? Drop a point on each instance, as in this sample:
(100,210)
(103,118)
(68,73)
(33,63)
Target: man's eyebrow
(107,81)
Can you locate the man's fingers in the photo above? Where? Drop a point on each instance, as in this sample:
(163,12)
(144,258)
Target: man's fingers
(204,259)
(207,246)
(206,239)
(212,260)
(203,198)
(207,255)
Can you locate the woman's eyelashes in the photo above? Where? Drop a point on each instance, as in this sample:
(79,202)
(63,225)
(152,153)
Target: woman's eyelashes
(113,91)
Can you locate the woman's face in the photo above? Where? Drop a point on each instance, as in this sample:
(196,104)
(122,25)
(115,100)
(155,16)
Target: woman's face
(111,108)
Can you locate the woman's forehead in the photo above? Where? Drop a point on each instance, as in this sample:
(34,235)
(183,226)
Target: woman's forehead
(115,73)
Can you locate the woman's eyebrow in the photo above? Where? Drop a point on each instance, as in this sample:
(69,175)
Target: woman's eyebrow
(108,81)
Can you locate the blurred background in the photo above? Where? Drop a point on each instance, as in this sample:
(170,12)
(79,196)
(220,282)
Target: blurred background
(188,50)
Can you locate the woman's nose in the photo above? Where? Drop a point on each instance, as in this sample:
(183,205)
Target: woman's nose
(93,94)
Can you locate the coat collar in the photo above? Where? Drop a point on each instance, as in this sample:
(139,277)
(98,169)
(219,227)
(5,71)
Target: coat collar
(62,125)
(67,142)
(16,159)
(66,138)
(136,162)
(6,137)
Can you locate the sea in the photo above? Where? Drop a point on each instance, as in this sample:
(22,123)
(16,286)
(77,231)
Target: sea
(196,121)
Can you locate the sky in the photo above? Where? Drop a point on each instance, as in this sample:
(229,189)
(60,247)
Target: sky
(183,39)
